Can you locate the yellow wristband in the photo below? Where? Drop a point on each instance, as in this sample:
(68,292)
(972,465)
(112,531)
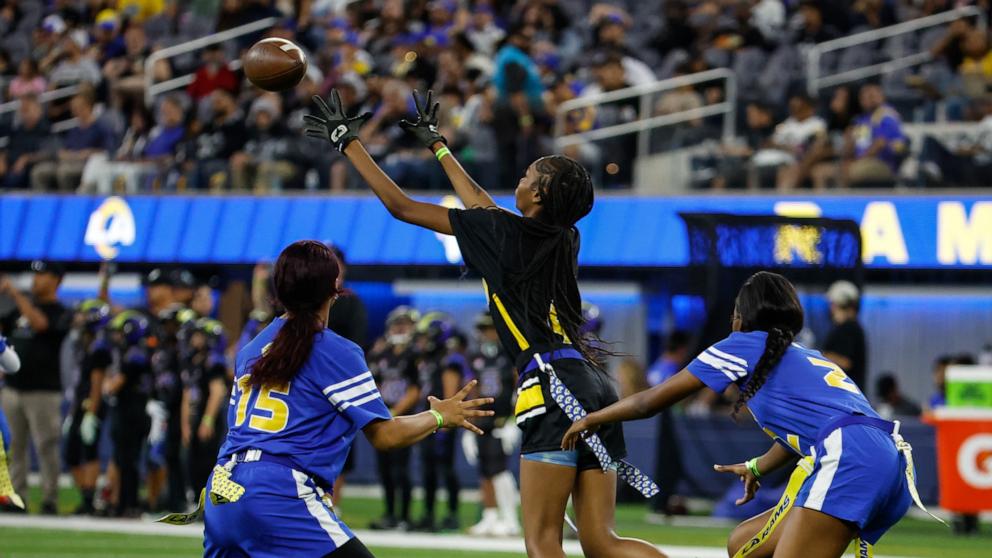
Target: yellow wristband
(440,153)
(437,416)
(752,465)
(208,420)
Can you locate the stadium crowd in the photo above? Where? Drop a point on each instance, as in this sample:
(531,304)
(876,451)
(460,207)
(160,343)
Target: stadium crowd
(502,68)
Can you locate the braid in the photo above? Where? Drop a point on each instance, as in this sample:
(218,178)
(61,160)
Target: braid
(566,196)
(776,344)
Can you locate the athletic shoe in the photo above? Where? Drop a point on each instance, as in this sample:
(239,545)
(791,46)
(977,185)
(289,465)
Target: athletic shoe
(450,523)
(483,528)
(387,523)
(425,525)
(505,529)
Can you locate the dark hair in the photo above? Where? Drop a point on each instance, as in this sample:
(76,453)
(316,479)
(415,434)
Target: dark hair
(885,385)
(678,339)
(767,302)
(566,192)
(305,277)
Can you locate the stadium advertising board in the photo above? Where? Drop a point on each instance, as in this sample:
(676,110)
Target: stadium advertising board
(897,231)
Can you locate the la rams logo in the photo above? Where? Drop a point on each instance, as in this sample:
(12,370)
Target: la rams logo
(110,225)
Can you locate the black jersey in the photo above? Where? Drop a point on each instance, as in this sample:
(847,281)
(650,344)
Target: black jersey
(394,372)
(135,365)
(431,369)
(496,374)
(200,370)
(96,355)
(499,246)
(166,368)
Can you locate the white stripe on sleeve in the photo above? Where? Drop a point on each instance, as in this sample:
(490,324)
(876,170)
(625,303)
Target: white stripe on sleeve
(727,365)
(720,365)
(351,381)
(359,402)
(834,446)
(727,356)
(319,511)
(339,397)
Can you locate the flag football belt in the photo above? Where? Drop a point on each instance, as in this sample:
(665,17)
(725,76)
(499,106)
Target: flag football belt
(6,487)
(223,490)
(805,468)
(574,411)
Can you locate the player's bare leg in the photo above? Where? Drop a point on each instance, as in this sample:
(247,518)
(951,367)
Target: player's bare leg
(595,498)
(813,534)
(544,491)
(748,529)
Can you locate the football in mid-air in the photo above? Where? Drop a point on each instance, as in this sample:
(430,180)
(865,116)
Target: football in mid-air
(275,64)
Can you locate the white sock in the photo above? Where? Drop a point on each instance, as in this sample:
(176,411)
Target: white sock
(490,515)
(505,488)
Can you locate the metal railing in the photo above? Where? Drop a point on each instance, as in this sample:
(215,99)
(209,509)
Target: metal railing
(645,122)
(44,98)
(153,89)
(815,82)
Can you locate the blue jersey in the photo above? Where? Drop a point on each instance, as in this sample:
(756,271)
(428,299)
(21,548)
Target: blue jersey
(313,420)
(803,393)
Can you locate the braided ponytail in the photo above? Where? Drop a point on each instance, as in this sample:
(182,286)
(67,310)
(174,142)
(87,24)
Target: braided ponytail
(775,346)
(767,302)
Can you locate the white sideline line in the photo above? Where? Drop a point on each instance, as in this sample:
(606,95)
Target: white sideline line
(370,538)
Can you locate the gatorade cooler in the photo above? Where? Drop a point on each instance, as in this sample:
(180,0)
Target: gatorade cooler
(964,440)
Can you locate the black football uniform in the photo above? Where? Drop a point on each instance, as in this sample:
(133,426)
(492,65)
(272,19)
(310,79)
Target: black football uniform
(496,379)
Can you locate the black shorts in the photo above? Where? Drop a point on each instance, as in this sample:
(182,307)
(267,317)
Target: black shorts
(76,452)
(544,430)
(492,460)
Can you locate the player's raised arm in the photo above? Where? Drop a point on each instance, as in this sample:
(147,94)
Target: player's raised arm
(342,132)
(637,406)
(454,412)
(425,130)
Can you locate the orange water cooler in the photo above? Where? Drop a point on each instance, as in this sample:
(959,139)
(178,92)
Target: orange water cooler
(964,458)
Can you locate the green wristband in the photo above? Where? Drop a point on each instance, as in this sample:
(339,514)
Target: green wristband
(752,465)
(439,418)
(440,153)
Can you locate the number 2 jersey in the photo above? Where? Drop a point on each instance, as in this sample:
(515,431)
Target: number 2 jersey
(312,420)
(801,394)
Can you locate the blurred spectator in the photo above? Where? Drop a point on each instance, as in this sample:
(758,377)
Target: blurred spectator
(483,31)
(668,463)
(213,74)
(891,401)
(107,40)
(32,399)
(734,168)
(209,148)
(846,344)
(610,33)
(811,27)
(28,80)
(126,73)
(678,33)
(74,66)
(90,137)
(789,149)
(30,144)
(266,161)
(618,152)
(348,317)
(515,71)
(875,145)
(968,163)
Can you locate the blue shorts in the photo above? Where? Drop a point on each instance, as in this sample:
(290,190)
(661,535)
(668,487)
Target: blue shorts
(280,514)
(858,476)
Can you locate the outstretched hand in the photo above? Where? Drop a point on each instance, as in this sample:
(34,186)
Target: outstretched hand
(751,483)
(456,410)
(335,126)
(582,428)
(425,127)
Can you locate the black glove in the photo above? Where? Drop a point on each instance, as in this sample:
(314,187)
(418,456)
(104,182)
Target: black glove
(425,128)
(336,127)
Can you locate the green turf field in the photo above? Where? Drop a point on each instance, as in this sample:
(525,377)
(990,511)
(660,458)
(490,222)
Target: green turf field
(911,538)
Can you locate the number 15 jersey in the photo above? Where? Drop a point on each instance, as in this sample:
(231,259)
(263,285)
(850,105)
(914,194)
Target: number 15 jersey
(313,419)
(801,394)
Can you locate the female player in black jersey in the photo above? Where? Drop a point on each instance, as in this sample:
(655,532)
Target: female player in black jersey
(529,266)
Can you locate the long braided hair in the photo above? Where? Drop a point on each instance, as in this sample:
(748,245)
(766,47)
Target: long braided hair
(566,193)
(305,277)
(767,302)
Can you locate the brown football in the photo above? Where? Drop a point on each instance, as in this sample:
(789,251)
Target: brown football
(275,64)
